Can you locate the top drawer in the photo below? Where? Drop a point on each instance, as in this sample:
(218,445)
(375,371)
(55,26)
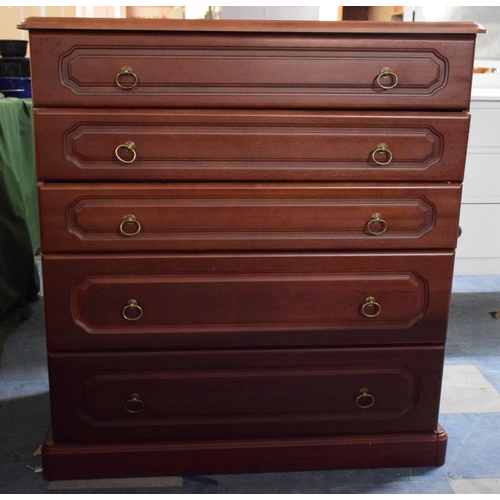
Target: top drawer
(170,69)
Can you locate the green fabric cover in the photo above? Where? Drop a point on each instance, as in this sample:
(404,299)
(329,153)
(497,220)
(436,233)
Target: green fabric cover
(19,230)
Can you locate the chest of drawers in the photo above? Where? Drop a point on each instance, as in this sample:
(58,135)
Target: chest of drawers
(248,235)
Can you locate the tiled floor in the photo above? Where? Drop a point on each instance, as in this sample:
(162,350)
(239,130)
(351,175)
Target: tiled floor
(470,414)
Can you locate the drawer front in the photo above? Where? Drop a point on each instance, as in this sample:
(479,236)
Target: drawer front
(250,70)
(249,145)
(124,301)
(247,394)
(132,217)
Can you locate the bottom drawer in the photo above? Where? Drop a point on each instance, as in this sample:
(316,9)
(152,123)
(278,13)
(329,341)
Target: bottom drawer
(246,394)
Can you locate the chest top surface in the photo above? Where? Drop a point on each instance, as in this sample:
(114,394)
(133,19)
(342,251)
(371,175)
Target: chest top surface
(342,27)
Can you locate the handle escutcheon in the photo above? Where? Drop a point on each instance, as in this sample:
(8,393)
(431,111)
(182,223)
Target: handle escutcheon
(382,150)
(126,71)
(387,73)
(130,219)
(134,404)
(376,222)
(129,146)
(132,305)
(369,305)
(365,399)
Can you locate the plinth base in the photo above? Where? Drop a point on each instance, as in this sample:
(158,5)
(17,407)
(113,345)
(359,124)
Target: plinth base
(106,460)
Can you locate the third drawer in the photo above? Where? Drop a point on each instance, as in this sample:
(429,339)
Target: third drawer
(152,217)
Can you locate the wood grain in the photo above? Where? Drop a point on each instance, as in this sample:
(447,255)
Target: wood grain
(245,300)
(345,27)
(263,306)
(266,394)
(87,217)
(250,145)
(212,70)
(91,460)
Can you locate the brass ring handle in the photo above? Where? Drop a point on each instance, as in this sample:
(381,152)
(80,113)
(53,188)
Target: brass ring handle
(376,219)
(129,146)
(132,304)
(384,73)
(126,71)
(370,302)
(134,404)
(130,219)
(382,149)
(365,396)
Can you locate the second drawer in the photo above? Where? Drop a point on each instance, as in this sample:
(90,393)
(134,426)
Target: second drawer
(219,145)
(135,217)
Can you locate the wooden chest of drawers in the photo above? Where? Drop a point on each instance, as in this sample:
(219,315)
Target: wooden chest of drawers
(248,235)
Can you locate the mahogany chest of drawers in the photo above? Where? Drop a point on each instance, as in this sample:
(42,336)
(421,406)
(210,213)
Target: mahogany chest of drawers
(248,234)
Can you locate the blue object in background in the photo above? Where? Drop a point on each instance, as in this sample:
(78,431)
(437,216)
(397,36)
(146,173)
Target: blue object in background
(15,87)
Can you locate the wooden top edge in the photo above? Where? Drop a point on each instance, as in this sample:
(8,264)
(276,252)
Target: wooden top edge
(347,27)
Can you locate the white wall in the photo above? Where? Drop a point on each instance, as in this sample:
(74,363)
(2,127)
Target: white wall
(267,12)
(478,249)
